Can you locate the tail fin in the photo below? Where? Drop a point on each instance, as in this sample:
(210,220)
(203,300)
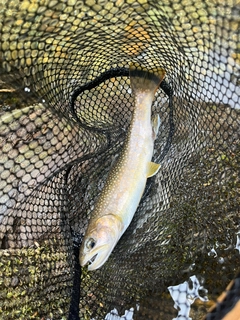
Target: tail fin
(145,80)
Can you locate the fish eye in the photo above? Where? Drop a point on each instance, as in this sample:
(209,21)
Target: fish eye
(90,244)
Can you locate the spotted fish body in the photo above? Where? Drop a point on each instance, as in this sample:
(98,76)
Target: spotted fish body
(126,181)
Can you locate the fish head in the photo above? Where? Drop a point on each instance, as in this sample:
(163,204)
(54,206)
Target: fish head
(100,239)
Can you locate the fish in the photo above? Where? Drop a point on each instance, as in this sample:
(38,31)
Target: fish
(126,181)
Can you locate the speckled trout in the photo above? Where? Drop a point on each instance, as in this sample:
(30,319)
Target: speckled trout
(127,178)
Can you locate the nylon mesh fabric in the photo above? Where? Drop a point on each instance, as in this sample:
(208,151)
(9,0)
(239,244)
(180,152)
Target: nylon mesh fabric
(65,108)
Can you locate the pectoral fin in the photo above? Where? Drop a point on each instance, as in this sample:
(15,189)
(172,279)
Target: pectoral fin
(152,169)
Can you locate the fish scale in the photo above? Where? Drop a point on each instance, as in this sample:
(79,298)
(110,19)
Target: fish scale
(127,178)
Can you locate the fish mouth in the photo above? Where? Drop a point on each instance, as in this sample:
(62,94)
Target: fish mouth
(90,261)
(96,258)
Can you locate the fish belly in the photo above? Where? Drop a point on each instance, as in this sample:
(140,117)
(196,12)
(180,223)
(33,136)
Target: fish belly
(132,182)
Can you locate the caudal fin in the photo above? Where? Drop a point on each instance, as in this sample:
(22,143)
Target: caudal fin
(142,79)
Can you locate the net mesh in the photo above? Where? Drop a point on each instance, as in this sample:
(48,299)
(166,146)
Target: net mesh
(65,108)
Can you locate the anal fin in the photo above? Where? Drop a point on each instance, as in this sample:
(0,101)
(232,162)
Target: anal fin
(152,169)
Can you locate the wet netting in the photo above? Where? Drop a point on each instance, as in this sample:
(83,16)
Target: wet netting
(65,109)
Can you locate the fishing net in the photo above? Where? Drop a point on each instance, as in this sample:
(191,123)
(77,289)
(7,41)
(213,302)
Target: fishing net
(65,109)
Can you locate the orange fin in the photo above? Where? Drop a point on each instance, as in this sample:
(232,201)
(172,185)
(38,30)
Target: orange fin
(152,169)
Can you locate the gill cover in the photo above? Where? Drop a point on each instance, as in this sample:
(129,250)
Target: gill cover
(101,237)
